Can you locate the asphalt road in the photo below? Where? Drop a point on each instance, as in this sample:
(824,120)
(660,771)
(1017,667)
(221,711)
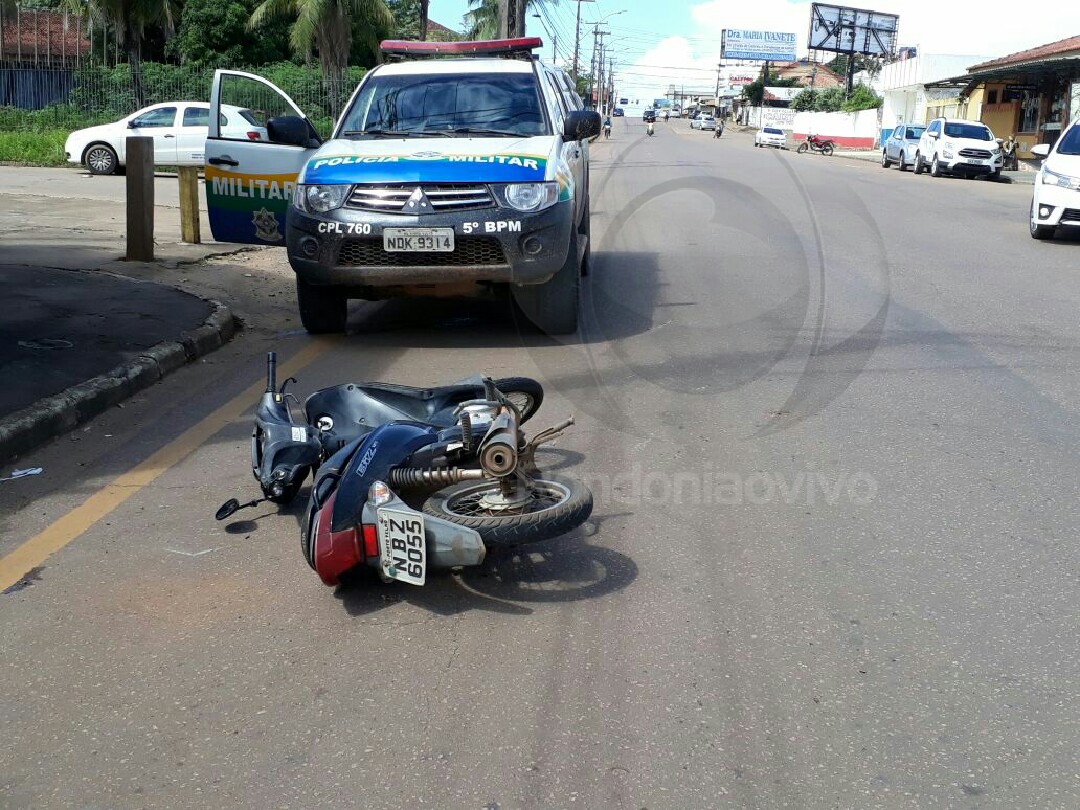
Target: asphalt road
(828,413)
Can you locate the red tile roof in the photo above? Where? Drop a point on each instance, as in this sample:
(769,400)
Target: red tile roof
(53,32)
(1060,47)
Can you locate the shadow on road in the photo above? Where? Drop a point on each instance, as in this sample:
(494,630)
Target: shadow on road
(567,569)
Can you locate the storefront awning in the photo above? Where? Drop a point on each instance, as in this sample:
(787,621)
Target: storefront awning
(1032,73)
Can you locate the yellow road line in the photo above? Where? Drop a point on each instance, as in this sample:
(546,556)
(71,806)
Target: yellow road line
(37,549)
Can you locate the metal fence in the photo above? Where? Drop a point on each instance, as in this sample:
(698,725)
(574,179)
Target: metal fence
(74,97)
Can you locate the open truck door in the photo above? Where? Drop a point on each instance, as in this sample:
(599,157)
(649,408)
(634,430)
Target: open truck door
(249,179)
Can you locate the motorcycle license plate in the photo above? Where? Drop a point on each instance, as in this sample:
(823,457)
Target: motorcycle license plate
(418,240)
(402,550)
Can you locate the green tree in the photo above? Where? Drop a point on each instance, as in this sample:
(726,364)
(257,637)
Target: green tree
(131,19)
(862,98)
(482,21)
(805,100)
(214,32)
(755,91)
(328,27)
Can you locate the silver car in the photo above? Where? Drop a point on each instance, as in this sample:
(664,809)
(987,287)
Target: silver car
(703,122)
(900,147)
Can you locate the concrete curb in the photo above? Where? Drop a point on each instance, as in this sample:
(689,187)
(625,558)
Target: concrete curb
(52,416)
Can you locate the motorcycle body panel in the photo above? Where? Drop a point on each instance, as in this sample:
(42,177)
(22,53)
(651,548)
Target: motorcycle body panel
(281,450)
(386,447)
(342,413)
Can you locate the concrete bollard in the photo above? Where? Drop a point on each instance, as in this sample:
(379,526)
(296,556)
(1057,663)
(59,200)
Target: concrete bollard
(140,199)
(189,205)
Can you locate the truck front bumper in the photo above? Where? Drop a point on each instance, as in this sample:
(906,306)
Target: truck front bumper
(344,247)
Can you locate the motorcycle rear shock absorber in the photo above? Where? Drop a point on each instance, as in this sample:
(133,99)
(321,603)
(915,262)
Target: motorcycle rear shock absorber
(412,476)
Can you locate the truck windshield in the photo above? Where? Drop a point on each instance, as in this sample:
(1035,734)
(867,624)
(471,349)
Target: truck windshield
(488,104)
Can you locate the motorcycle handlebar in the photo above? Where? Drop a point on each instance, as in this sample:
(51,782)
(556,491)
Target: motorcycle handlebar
(271,372)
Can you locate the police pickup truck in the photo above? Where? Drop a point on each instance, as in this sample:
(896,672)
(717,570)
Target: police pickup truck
(454,168)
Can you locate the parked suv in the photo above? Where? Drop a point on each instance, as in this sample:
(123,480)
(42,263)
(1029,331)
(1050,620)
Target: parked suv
(454,168)
(956,146)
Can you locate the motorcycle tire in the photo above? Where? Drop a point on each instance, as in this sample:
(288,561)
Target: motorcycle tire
(802,148)
(827,149)
(559,506)
(526,394)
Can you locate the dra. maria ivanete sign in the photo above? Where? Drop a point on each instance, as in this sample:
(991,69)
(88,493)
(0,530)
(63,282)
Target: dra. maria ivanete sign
(765,46)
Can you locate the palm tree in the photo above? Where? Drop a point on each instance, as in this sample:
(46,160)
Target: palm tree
(483,19)
(131,18)
(325,26)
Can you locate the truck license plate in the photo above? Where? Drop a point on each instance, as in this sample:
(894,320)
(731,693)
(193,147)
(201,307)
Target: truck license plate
(418,240)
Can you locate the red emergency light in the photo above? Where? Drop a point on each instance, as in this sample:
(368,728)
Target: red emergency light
(486,47)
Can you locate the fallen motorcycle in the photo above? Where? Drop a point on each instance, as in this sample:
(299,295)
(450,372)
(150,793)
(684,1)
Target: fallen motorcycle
(816,144)
(408,479)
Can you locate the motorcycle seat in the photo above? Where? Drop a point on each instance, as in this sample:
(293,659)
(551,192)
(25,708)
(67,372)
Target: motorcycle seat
(358,408)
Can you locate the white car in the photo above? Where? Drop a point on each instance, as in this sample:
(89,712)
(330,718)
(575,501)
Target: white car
(956,146)
(1056,199)
(703,121)
(770,136)
(179,130)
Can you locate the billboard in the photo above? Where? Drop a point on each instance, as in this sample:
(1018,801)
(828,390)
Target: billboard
(762,46)
(852,30)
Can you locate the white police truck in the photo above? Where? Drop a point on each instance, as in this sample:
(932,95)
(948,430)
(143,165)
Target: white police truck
(454,168)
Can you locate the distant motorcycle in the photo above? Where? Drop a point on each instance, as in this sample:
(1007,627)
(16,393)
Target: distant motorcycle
(649,128)
(607,130)
(815,144)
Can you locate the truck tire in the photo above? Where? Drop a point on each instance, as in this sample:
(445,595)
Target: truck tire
(553,306)
(322,309)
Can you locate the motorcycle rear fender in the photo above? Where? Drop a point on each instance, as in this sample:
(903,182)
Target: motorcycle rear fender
(386,447)
(448,544)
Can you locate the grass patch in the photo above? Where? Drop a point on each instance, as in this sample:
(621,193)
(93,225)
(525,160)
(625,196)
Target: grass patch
(33,148)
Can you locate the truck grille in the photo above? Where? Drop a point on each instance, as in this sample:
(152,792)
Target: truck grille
(404,198)
(467,251)
(975,153)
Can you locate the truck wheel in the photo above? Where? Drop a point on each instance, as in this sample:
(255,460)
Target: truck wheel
(553,305)
(586,230)
(322,309)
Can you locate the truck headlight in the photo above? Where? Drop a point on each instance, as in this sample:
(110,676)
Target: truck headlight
(945,153)
(531,196)
(319,199)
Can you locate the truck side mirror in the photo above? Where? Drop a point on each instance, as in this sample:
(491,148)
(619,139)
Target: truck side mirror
(581,124)
(292,130)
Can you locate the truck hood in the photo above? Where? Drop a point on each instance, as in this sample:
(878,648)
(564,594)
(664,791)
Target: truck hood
(432,160)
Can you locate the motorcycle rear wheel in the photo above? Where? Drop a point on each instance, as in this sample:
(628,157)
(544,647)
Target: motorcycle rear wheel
(827,149)
(554,507)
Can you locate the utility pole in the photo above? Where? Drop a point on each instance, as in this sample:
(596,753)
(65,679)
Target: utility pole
(577,41)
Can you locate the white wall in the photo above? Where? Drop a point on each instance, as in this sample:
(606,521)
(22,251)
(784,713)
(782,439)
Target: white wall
(847,129)
(926,68)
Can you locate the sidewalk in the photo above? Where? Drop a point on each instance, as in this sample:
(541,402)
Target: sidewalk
(76,336)
(874,155)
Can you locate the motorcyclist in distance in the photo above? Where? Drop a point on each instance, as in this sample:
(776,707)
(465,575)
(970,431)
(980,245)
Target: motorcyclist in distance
(607,126)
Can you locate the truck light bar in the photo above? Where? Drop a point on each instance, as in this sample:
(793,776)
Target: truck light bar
(401,47)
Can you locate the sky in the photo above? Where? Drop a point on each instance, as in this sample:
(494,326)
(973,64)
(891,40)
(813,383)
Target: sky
(657,43)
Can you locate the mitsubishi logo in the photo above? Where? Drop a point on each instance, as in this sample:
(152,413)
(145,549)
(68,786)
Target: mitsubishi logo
(418,199)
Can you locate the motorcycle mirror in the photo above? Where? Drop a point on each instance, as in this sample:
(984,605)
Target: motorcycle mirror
(230,507)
